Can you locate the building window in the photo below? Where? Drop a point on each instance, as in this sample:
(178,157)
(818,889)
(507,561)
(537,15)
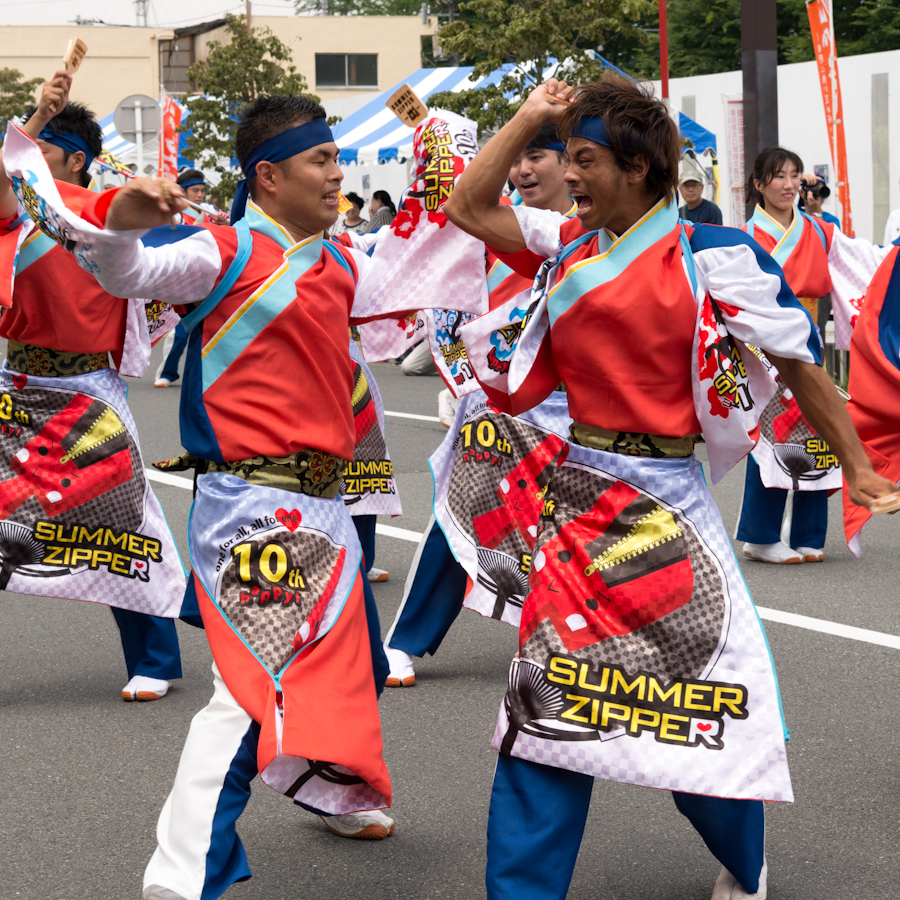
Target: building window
(346,70)
(175,58)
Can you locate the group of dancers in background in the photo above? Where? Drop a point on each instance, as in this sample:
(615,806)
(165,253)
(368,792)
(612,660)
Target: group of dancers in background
(592,339)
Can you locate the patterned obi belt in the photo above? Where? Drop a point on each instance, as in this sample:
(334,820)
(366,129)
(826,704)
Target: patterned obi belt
(31,360)
(311,472)
(652,446)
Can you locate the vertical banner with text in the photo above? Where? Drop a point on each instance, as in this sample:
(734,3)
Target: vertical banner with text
(168,138)
(822,29)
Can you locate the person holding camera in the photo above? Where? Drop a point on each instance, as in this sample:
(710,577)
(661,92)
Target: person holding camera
(813,194)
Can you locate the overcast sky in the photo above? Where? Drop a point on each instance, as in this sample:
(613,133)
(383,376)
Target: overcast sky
(122,12)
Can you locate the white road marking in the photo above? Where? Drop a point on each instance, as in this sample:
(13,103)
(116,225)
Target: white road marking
(770,615)
(168,478)
(412,416)
(825,627)
(403,534)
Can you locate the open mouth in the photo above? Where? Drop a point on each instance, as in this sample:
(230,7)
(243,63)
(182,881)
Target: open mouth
(529,185)
(584,203)
(331,199)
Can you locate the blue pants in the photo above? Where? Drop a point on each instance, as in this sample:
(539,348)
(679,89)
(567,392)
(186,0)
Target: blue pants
(150,644)
(763,510)
(365,528)
(198,824)
(432,601)
(170,366)
(537,819)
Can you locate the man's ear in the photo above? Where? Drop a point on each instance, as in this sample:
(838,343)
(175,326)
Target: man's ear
(638,170)
(267,176)
(75,162)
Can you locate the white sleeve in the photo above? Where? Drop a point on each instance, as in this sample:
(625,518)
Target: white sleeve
(540,228)
(365,242)
(852,263)
(757,305)
(182,271)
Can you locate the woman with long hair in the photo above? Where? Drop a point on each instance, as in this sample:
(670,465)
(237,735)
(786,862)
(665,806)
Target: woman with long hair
(814,255)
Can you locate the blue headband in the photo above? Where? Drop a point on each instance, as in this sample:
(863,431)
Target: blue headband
(68,141)
(194,182)
(592,128)
(277,149)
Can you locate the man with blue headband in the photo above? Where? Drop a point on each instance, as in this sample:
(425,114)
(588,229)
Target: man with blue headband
(61,329)
(267,410)
(641,657)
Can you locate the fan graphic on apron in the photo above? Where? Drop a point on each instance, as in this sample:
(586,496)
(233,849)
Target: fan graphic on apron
(618,579)
(500,473)
(783,426)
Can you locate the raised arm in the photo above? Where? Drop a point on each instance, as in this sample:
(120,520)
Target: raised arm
(474,205)
(180,265)
(54,96)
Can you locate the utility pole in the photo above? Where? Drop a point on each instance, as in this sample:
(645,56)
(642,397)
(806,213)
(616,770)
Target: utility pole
(248,16)
(759,62)
(140,12)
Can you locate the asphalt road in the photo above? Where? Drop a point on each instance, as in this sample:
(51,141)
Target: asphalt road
(84,775)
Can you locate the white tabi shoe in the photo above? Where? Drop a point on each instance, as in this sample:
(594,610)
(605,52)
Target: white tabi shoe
(778,553)
(143,688)
(810,554)
(162,382)
(402,673)
(727,887)
(371,825)
(155,892)
(377,576)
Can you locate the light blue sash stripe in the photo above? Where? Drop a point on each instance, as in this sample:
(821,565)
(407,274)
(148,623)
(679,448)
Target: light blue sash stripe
(603,270)
(270,304)
(783,253)
(34,251)
(498,274)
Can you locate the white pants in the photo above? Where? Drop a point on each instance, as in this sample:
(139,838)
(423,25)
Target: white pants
(197,847)
(419,361)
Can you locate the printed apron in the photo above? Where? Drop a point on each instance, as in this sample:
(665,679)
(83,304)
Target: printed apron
(641,656)
(369,487)
(490,473)
(78,519)
(279,586)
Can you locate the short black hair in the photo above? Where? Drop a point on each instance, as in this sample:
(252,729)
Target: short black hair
(191,175)
(271,114)
(78,119)
(546,136)
(356,200)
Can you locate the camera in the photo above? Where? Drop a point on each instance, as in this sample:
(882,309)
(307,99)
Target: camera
(819,190)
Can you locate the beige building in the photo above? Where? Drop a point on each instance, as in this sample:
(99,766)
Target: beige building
(340,56)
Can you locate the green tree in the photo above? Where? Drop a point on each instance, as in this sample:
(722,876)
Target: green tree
(491,33)
(232,75)
(705,35)
(16,95)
